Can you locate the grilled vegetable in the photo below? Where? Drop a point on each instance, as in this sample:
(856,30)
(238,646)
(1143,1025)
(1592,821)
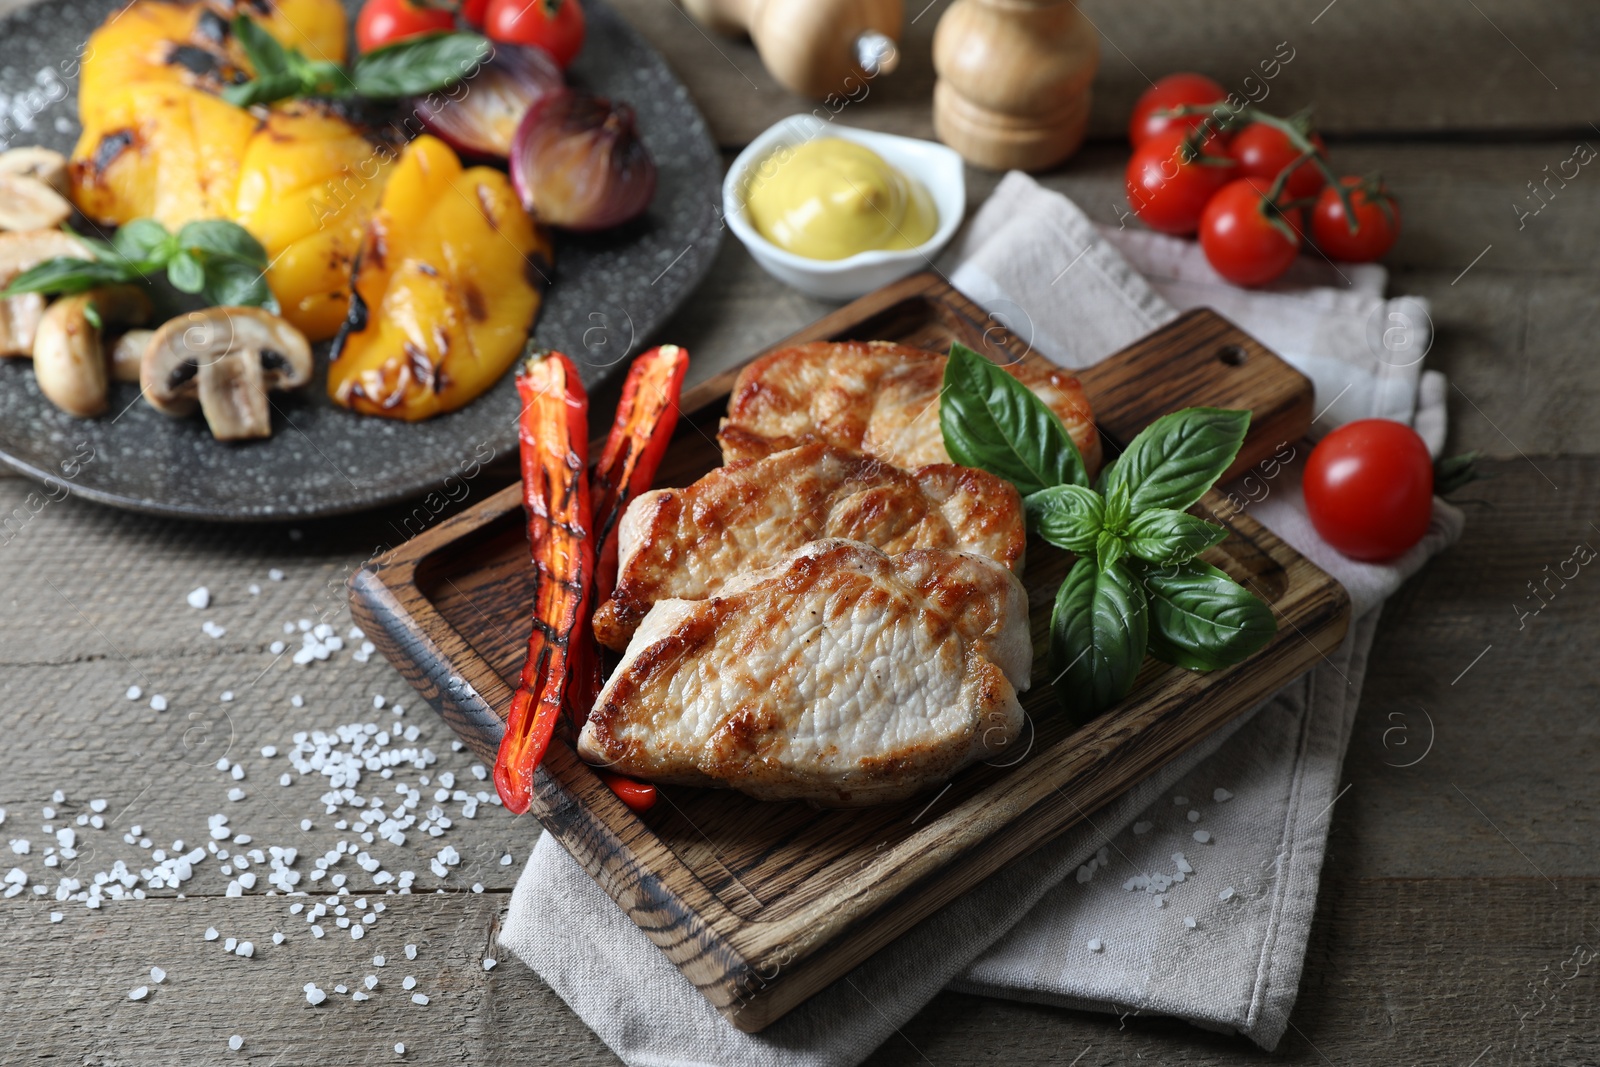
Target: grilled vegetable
(553,430)
(446,288)
(647,414)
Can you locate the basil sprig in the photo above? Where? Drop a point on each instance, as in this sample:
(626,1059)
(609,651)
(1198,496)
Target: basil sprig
(216,259)
(411,67)
(1137,585)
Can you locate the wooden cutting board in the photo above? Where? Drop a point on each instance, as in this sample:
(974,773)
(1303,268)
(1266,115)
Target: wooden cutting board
(762,905)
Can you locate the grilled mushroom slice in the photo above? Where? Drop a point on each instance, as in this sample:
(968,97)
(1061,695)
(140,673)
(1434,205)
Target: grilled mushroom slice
(224,360)
(20,315)
(42,164)
(69,359)
(128,354)
(29,204)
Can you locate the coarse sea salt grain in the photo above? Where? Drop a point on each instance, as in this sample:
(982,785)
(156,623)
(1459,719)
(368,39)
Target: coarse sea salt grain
(399,1048)
(1221,796)
(1188,920)
(158,703)
(408,982)
(1096,945)
(1202,836)
(411,952)
(490,964)
(1194,816)
(236,1042)
(199,598)
(157,975)
(1226,894)
(139,993)
(419,998)
(211,934)
(134,692)
(1143,827)
(314,996)
(1179,802)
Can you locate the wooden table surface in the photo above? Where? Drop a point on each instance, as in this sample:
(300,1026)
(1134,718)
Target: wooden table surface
(1460,906)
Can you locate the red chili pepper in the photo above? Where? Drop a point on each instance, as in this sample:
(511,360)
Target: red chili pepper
(554,433)
(647,414)
(640,796)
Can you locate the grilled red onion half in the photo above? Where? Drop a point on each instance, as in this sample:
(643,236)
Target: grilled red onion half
(577,162)
(480,117)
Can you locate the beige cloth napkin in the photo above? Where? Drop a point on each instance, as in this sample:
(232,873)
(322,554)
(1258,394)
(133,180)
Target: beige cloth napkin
(1263,788)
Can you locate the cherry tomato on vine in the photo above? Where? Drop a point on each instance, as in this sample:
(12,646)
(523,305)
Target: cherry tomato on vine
(473,12)
(384,22)
(1168,183)
(1377,215)
(1369,489)
(1264,151)
(554,25)
(1175,90)
(1246,240)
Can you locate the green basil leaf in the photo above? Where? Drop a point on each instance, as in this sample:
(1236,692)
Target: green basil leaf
(218,238)
(265,54)
(1108,548)
(263,90)
(1119,509)
(91,315)
(995,423)
(1201,619)
(101,249)
(230,283)
(419,65)
(63,275)
(185,273)
(141,240)
(1164,537)
(1178,457)
(1068,516)
(1098,633)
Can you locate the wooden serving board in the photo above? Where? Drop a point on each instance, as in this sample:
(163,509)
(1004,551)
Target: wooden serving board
(761,905)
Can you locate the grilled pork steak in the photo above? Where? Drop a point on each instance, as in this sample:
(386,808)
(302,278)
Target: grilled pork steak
(838,675)
(689,543)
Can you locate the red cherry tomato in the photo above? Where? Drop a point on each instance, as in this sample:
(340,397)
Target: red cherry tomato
(1175,90)
(1243,237)
(473,12)
(1264,151)
(1377,222)
(1369,489)
(384,22)
(1168,184)
(554,25)
(640,796)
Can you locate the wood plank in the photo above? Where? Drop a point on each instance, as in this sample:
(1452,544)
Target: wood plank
(726,885)
(1367,65)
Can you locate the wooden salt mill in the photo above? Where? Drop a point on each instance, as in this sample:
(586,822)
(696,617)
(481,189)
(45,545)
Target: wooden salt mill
(813,47)
(1013,81)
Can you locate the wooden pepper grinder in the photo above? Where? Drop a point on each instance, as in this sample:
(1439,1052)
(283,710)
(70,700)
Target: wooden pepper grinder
(1013,81)
(813,47)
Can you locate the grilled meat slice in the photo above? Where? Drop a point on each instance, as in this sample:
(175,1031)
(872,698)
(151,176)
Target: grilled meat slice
(688,543)
(839,675)
(873,396)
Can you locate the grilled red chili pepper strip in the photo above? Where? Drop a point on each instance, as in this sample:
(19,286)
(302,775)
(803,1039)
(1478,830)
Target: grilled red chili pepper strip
(554,431)
(640,796)
(647,414)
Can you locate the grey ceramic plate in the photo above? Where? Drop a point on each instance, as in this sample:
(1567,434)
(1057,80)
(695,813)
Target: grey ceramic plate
(610,294)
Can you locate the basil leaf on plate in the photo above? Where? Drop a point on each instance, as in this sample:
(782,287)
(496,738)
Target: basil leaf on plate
(63,275)
(1164,537)
(1098,634)
(265,54)
(141,241)
(218,238)
(419,65)
(264,90)
(995,423)
(185,273)
(230,283)
(1201,619)
(1178,457)
(1068,516)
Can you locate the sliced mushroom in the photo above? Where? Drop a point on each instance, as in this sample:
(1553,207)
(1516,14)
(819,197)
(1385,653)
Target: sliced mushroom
(69,359)
(127,355)
(41,164)
(224,360)
(30,204)
(20,315)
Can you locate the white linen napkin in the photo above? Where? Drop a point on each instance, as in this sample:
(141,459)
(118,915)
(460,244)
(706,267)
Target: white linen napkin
(1262,788)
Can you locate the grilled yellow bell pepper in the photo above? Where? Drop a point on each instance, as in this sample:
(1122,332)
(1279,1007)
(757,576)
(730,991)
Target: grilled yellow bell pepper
(308,182)
(447,286)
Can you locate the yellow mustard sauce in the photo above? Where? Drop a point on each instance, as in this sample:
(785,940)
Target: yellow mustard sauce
(831,198)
